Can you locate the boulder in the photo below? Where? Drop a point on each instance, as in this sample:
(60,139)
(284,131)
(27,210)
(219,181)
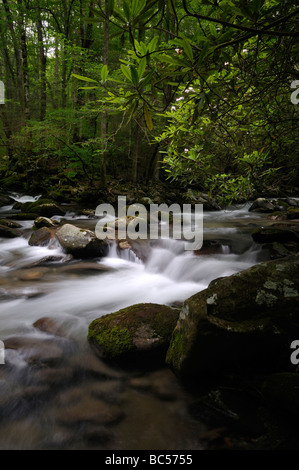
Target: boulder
(42,237)
(45,222)
(262,205)
(42,207)
(244,320)
(81,243)
(293,213)
(274,234)
(196,197)
(138,334)
(10,223)
(9,232)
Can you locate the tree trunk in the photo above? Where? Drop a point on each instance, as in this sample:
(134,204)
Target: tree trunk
(23,42)
(43,66)
(104,117)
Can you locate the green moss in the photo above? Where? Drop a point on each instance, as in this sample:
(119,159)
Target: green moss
(115,341)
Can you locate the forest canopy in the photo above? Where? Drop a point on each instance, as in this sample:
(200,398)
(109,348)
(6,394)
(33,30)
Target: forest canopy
(202,93)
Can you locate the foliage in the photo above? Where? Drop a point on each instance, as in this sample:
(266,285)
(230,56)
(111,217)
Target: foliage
(199,91)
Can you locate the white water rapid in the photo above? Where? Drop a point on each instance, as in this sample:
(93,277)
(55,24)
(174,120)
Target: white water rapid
(73,294)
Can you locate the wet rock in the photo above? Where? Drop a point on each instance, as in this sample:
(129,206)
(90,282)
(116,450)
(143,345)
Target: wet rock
(49,325)
(108,390)
(89,410)
(35,351)
(196,197)
(161,384)
(274,234)
(210,247)
(42,207)
(84,267)
(233,408)
(42,237)
(139,333)
(92,365)
(22,216)
(9,223)
(31,274)
(54,376)
(293,213)
(9,232)
(220,329)
(81,243)
(5,200)
(41,222)
(262,205)
(293,202)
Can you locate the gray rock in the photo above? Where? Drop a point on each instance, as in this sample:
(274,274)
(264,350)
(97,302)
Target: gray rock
(262,205)
(246,319)
(81,243)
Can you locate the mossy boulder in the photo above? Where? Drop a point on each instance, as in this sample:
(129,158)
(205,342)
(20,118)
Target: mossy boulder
(81,243)
(7,231)
(139,334)
(244,320)
(42,207)
(293,213)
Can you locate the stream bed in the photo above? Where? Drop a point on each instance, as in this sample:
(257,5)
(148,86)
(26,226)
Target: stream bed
(54,392)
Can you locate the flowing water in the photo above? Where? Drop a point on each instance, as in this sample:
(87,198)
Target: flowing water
(54,393)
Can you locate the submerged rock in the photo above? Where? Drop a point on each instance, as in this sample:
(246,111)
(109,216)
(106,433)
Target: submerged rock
(81,243)
(247,319)
(136,334)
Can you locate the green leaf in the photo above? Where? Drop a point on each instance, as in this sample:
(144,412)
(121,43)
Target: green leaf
(104,73)
(188,49)
(117,13)
(204,52)
(134,75)
(153,44)
(126,71)
(213,30)
(148,117)
(85,79)
(147,78)
(141,68)
(127,10)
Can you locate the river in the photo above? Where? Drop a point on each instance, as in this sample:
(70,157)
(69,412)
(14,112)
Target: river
(53,392)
